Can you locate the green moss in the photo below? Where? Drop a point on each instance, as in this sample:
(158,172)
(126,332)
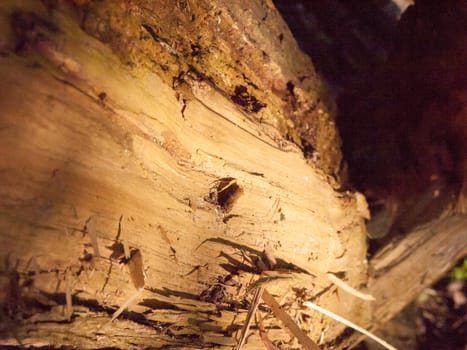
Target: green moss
(460,271)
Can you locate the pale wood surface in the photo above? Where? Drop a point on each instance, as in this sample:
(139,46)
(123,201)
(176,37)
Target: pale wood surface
(87,140)
(93,150)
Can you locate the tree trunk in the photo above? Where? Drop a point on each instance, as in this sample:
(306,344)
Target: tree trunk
(159,145)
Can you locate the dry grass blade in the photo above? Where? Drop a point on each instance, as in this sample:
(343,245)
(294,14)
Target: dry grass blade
(127,303)
(249,317)
(340,283)
(307,343)
(349,324)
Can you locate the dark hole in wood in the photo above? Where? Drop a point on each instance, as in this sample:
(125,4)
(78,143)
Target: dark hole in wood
(224,193)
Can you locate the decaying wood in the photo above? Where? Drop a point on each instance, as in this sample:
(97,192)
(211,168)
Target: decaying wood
(113,135)
(98,154)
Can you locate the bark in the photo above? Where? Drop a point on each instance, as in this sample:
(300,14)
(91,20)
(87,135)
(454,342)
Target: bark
(148,144)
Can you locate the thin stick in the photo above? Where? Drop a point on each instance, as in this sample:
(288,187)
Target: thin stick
(348,324)
(249,317)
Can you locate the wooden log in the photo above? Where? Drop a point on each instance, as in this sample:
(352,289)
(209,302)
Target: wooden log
(102,160)
(123,163)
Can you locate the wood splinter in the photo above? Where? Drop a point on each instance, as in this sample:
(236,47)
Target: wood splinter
(135,265)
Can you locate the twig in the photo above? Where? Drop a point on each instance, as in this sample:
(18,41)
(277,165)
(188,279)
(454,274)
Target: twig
(249,317)
(349,324)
